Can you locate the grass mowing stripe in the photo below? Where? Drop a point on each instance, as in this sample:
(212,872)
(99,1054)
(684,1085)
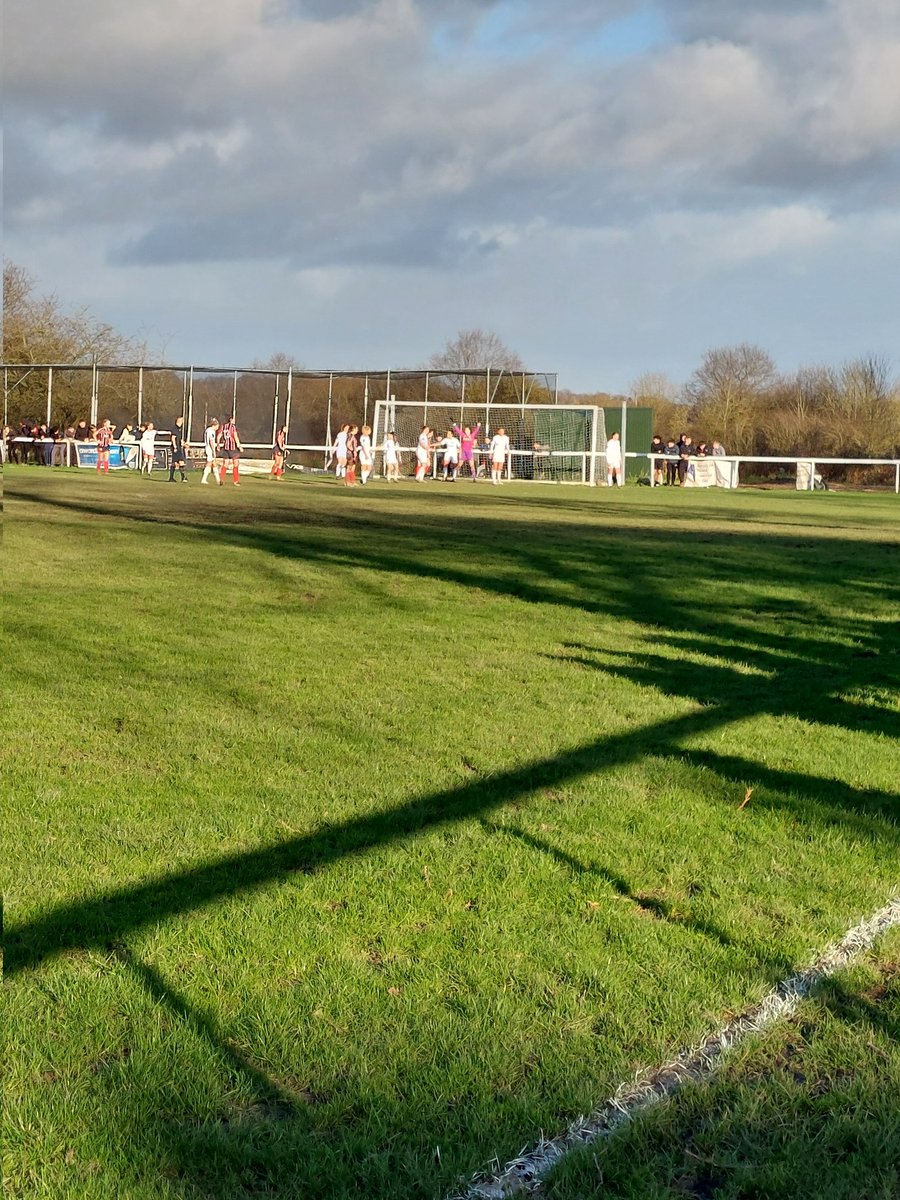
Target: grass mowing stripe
(526,1172)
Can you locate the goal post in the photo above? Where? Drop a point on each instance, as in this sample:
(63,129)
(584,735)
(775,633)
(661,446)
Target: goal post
(551,443)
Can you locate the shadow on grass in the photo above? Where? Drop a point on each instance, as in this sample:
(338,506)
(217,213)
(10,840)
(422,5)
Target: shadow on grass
(650,905)
(803,671)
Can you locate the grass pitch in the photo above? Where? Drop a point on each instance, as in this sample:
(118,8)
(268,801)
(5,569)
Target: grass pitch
(356,837)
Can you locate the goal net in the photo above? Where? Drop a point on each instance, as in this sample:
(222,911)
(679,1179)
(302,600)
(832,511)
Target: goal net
(552,443)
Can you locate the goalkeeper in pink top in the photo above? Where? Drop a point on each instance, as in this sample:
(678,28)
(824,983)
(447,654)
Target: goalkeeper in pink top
(468,439)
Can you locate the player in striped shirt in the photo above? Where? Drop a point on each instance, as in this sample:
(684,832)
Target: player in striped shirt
(104,437)
(279,450)
(230,449)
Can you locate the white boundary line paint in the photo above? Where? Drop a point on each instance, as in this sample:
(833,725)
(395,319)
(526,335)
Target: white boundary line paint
(525,1173)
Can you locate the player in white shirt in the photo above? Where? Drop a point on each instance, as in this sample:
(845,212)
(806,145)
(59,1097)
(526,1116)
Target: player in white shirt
(423,453)
(451,446)
(148,448)
(211,449)
(614,461)
(339,450)
(499,454)
(365,456)
(391,458)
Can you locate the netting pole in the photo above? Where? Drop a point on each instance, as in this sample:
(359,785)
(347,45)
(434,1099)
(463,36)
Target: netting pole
(377,436)
(624,439)
(275,409)
(5,396)
(234,399)
(49,394)
(366,401)
(94,384)
(387,396)
(140,397)
(287,405)
(595,429)
(897,479)
(189,378)
(487,402)
(427,377)
(328,438)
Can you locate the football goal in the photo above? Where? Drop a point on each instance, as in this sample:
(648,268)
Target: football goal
(551,443)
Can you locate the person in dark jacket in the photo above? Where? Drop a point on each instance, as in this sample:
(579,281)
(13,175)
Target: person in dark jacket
(671,462)
(657,446)
(686,451)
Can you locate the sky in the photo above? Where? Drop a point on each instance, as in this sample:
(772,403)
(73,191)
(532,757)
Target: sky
(613,188)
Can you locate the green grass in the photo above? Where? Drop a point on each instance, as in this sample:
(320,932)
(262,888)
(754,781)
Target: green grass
(357,837)
(810,1109)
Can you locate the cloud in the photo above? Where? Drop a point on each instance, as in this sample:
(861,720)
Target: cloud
(458,141)
(274,127)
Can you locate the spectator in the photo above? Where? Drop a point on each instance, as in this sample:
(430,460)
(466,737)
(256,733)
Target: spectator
(58,453)
(686,451)
(657,446)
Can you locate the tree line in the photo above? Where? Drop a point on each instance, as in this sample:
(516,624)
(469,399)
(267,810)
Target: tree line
(736,395)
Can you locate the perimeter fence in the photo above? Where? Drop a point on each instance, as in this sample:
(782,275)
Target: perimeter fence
(312,405)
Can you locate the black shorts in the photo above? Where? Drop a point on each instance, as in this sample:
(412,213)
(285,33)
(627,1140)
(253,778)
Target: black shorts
(223,453)
(178,456)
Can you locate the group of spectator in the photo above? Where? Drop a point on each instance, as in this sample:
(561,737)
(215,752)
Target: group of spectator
(39,443)
(674,467)
(48,445)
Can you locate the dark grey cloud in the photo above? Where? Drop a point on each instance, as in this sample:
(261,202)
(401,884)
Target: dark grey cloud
(337,133)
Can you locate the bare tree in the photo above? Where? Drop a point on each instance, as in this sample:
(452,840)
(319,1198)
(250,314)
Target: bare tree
(726,391)
(475,349)
(865,406)
(657,391)
(280,361)
(36,329)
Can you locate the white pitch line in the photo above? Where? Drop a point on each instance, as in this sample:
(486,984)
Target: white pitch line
(526,1172)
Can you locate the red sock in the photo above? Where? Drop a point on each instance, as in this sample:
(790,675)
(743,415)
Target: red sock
(236,472)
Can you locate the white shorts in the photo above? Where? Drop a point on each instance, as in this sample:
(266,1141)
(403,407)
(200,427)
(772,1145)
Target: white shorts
(421,455)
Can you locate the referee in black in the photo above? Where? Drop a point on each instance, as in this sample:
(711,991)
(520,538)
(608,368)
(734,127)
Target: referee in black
(178,449)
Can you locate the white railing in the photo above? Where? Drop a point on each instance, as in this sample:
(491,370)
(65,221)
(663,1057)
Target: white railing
(723,470)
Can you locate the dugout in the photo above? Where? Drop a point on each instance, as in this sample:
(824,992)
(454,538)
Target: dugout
(637,435)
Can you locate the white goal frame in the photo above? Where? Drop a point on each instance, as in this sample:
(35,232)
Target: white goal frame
(543,466)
